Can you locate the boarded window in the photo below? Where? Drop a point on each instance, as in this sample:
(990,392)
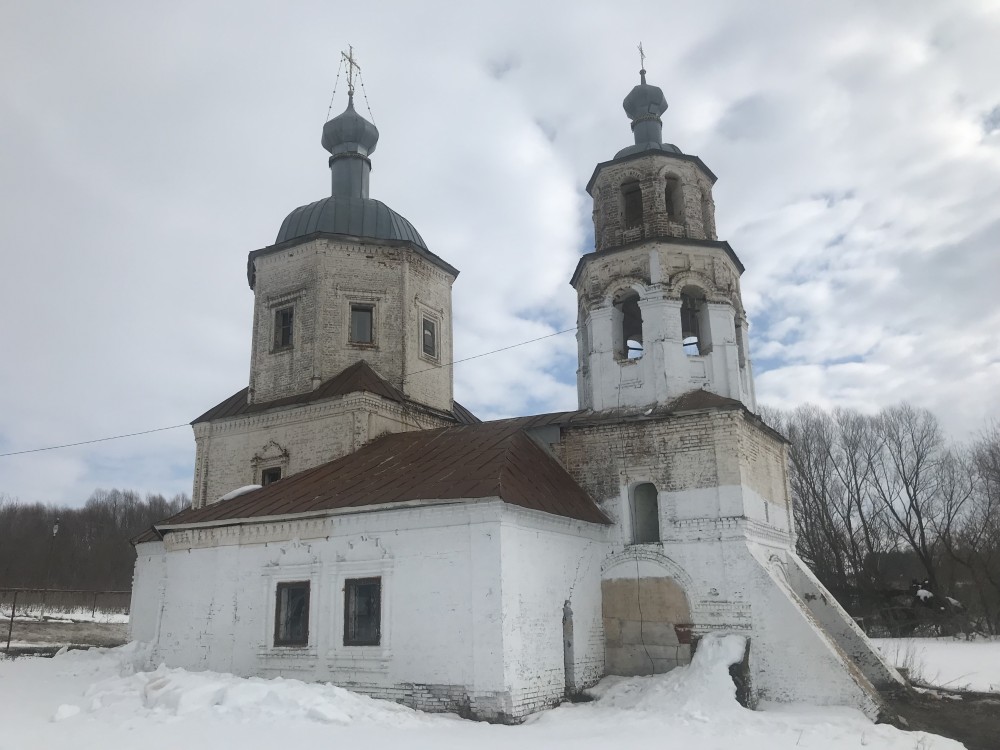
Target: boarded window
(674,200)
(362,319)
(429,337)
(362,611)
(272,474)
(283,328)
(291,614)
(645,514)
(632,197)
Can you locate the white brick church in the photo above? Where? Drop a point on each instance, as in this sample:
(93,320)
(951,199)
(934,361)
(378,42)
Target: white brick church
(402,548)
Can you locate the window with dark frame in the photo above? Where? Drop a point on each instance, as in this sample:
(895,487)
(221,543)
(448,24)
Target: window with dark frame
(362,611)
(291,614)
(272,474)
(362,319)
(283,328)
(429,337)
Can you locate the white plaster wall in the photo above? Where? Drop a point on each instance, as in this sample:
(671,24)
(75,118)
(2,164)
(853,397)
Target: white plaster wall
(547,561)
(658,272)
(441,618)
(731,588)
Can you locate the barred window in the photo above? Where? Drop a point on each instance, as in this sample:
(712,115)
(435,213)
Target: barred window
(362,611)
(291,614)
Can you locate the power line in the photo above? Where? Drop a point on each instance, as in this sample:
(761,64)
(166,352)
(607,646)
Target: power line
(176,426)
(484,354)
(96,440)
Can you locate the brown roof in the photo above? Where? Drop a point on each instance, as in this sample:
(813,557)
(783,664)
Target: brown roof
(358,377)
(496,459)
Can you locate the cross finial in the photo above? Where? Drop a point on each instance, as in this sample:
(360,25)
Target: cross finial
(352,67)
(642,63)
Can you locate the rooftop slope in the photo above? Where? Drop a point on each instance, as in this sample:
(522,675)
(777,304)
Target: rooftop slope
(496,459)
(356,378)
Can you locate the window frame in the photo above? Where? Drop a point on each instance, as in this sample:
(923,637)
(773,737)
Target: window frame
(424,321)
(349,584)
(279,587)
(264,471)
(633,211)
(359,306)
(277,340)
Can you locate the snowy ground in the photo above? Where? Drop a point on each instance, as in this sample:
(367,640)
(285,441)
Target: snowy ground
(98,699)
(947,662)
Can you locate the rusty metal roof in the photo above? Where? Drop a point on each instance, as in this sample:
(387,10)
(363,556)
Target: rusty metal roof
(358,377)
(492,459)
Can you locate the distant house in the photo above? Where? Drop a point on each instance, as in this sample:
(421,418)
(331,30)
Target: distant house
(402,548)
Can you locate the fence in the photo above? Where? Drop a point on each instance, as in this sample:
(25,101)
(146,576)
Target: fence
(62,604)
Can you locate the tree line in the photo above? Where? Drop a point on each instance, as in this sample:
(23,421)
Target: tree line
(91,549)
(885,503)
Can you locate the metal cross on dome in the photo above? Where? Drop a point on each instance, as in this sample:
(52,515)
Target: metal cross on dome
(642,57)
(352,66)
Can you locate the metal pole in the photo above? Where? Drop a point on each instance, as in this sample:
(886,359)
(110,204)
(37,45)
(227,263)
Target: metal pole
(48,566)
(93,612)
(10,627)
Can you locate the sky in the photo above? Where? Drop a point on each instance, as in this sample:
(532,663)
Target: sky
(146,148)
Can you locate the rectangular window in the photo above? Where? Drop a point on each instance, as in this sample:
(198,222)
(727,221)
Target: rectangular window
(362,317)
(283,328)
(362,611)
(429,337)
(291,614)
(270,475)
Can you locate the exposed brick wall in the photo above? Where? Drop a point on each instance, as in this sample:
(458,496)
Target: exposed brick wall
(321,279)
(231,452)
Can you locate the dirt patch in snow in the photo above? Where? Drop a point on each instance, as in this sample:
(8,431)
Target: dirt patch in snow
(970,718)
(56,632)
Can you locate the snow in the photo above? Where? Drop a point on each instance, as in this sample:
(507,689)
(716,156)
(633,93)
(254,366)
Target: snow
(947,662)
(102,699)
(924,594)
(239,491)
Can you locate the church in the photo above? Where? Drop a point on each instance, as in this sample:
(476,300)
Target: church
(352,523)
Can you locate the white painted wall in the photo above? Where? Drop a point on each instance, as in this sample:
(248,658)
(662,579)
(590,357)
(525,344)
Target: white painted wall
(546,561)
(206,600)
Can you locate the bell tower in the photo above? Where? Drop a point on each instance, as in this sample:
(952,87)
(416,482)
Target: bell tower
(659,306)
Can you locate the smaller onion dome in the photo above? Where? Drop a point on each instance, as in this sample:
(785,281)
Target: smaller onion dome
(644,102)
(349,132)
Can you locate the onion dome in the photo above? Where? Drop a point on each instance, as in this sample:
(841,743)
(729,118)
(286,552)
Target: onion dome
(349,132)
(644,105)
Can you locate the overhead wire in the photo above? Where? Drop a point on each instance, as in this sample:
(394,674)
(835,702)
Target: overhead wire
(176,426)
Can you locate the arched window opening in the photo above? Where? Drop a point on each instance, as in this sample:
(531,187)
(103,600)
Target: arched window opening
(674,200)
(694,322)
(628,325)
(632,197)
(645,514)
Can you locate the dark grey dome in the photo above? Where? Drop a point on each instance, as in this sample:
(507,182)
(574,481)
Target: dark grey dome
(628,150)
(645,100)
(358,217)
(349,131)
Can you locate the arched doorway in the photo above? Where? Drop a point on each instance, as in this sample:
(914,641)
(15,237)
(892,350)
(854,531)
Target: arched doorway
(647,621)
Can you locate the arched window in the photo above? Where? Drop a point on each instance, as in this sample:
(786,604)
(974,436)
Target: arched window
(628,325)
(632,203)
(645,514)
(695,331)
(674,200)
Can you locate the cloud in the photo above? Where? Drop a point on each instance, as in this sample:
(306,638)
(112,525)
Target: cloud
(149,149)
